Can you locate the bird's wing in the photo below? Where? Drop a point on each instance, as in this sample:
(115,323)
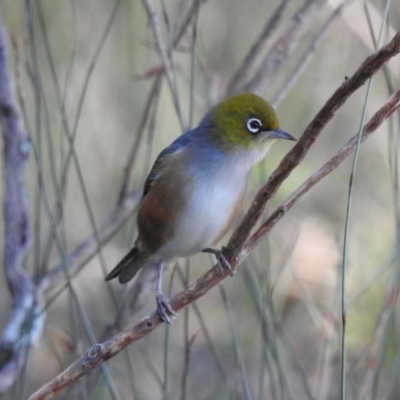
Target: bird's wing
(158,165)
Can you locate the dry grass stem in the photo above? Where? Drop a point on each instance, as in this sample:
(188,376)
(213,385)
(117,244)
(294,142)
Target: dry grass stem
(166,57)
(89,247)
(154,93)
(284,46)
(262,41)
(308,55)
(378,341)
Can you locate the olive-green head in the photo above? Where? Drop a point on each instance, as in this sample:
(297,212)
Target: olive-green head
(245,121)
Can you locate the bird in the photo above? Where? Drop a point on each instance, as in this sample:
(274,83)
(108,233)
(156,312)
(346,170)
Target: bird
(195,189)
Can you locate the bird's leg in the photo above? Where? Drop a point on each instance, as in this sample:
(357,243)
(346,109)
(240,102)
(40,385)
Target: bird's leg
(219,254)
(163,306)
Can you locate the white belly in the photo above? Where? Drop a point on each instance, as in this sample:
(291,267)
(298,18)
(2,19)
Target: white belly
(209,211)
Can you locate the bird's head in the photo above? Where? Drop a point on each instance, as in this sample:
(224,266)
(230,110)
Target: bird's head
(245,121)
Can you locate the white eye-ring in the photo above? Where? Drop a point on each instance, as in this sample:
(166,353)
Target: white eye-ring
(253,125)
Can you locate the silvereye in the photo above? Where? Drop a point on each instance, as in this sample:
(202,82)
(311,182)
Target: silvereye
(195,190)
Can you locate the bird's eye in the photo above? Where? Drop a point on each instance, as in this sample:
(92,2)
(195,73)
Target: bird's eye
(253,125)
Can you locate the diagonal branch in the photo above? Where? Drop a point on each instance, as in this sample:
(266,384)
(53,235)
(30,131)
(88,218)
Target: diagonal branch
(368,68)
(263,40)
(301,66)
(284,46)
(89,247)
(392,104)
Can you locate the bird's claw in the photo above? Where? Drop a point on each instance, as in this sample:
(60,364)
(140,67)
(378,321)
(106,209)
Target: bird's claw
(222,261)
(164,308)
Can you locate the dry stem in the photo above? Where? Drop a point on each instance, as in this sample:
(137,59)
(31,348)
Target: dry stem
(284,46)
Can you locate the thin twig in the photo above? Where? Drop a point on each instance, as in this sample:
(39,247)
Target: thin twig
(88,248)
(300,370)
(165,57)
(284,46)
(70,132)
(154,92)
(262,41)
(307,56)
(373,364)
(239,362)
(193,10)
(153,95)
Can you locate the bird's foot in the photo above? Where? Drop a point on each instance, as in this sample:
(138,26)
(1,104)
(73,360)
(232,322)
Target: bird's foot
(222,261)
(164,308)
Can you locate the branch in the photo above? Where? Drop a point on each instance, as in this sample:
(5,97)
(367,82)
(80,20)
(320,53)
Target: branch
(26,320)
(154,92)
(301,66)
(367,69)
(263,40)
(165,56)
(391,105)
(101,352)
(137,296)
(89,247)
(284,46)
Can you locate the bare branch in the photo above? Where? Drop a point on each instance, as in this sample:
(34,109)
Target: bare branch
(152,96)
(187,20)
(308,54)
(262,41)
(284,46)
(164,55)
(26,320)
(392,104)
(99,353)
(155,90)
(369,67)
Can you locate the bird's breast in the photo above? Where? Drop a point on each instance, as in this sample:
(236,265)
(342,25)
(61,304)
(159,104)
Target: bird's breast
(213,202)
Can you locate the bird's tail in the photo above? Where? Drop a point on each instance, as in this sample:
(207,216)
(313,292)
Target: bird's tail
(127,268)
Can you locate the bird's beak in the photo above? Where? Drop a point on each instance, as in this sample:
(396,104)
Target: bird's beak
(281,134)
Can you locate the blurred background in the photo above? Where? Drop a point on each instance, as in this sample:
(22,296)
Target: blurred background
(98,108)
